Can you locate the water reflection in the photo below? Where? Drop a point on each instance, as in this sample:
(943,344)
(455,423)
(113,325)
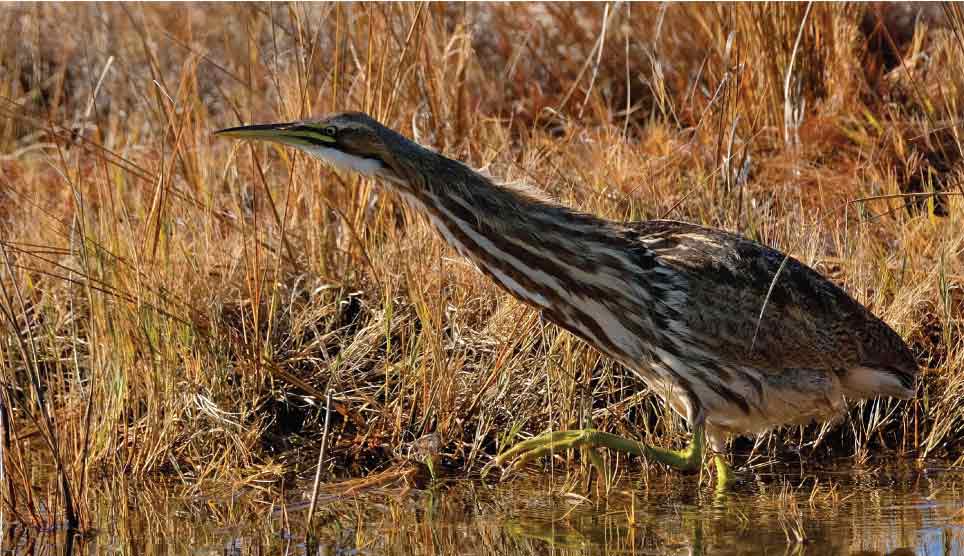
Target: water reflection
(894,511)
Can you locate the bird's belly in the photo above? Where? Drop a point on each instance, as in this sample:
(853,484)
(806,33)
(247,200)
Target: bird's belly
(789,397)
(741,399)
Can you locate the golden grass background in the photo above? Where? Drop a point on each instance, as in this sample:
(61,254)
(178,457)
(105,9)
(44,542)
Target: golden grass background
(173,305)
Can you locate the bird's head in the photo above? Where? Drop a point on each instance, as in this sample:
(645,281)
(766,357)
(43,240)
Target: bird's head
(347,140)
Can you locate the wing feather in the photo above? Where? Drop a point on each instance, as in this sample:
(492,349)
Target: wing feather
(807,322)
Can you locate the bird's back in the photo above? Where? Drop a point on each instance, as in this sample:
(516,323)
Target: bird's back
(807,323)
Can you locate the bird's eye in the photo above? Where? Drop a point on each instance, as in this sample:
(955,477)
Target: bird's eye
(330,131)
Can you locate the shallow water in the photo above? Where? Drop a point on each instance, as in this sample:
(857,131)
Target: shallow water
(872,510)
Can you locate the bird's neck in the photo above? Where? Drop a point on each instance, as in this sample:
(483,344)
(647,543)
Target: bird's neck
(514,234)
(577,268)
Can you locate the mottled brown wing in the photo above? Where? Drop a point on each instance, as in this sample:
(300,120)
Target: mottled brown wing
(808,321)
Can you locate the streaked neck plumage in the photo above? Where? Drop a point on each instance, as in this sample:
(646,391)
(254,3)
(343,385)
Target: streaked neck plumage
(584,273)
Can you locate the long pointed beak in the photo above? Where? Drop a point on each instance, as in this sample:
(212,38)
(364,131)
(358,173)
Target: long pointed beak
(264,132)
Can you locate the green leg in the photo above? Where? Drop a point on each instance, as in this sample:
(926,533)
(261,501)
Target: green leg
(724,474)
(687,459)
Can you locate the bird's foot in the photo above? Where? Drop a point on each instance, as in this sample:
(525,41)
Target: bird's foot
(550,443)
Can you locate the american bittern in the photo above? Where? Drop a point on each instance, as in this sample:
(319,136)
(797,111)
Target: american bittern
(736,337)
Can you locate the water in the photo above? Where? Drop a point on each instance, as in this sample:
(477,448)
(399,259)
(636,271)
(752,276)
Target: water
(894,510)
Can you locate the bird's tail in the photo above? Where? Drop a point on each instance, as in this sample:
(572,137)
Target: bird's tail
(867,382)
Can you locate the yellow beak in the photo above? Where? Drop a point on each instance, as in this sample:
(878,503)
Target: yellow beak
(264,132)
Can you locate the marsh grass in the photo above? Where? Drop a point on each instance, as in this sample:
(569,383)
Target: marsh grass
(174,306)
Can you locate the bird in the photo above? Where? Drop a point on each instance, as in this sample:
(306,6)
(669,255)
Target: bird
(735,336)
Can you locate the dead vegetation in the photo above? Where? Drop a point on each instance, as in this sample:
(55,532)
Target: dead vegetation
(175,306)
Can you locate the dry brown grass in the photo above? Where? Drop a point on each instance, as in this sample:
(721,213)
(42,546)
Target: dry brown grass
(173,305)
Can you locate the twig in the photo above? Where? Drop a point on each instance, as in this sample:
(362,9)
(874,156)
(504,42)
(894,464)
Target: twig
(321,458)
(906,195)
(676,205)
(766,300)
(598,46)
(789,119)
(2,470)
(599,52)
